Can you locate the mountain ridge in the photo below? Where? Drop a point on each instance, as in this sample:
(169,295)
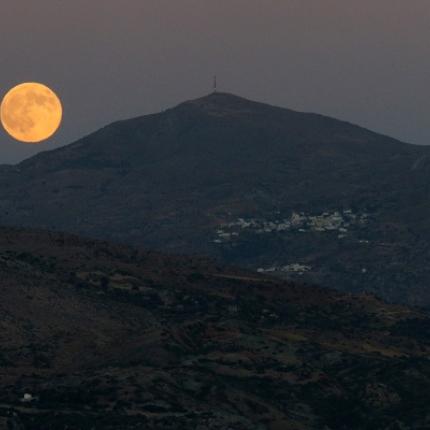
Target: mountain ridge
(219,102)
(182,180)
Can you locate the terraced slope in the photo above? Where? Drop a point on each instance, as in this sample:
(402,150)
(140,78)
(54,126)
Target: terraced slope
(108,337)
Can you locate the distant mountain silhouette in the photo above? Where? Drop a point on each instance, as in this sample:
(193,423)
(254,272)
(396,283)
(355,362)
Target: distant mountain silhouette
(289,193)
(101,336)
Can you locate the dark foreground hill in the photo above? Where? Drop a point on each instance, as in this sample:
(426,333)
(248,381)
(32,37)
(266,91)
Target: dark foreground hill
(289,193)
(107,337)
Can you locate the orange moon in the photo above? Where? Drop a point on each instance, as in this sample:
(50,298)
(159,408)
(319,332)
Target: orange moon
(31,112)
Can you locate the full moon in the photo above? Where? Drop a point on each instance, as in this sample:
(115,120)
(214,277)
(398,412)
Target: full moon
(31,112)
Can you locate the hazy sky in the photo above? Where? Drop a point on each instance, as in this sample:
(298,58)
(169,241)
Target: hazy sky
(365,61)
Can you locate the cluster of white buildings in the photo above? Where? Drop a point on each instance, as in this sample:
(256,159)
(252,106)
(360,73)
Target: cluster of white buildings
(337,221)
(296,268)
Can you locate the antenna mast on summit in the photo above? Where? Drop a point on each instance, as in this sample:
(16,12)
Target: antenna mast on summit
(215,87)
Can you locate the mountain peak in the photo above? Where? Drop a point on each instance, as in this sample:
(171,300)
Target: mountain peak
(220,98)
(222,102)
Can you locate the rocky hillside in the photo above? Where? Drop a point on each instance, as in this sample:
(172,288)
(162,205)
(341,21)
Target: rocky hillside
(100,336)
(293,194)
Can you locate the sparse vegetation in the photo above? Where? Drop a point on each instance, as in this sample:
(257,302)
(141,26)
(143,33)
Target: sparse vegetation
(109,337)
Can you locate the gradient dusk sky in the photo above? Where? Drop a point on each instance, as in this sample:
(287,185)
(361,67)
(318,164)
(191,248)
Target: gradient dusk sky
(365,61)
